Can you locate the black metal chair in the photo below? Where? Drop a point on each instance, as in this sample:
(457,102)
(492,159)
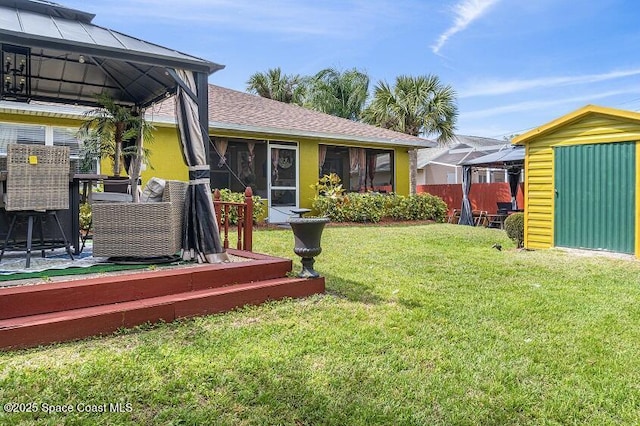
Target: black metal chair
(37,187)
(503,207)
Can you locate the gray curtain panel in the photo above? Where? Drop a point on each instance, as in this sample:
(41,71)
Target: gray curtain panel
(514,179)
(201,237)
(466,215)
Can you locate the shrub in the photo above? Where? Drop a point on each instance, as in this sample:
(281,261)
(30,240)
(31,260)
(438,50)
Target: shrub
(259,209)
(85,215)
(329,198)
(330,207)
(351,207)
(329,186)
(363,207)
(514,226)
(417,207)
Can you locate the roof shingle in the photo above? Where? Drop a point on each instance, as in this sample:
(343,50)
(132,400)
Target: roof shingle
(234,110)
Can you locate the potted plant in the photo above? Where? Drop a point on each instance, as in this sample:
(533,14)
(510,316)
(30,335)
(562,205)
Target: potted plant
(116,131)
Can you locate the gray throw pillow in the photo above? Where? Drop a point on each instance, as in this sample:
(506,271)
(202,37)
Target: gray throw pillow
(153,190)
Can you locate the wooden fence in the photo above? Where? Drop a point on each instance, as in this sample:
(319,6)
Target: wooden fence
(483,196)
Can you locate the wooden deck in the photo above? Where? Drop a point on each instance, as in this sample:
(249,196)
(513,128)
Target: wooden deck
(32,315)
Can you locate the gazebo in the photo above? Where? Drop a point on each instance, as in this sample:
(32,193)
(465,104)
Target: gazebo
(51,53)
(54,54)
(511,159)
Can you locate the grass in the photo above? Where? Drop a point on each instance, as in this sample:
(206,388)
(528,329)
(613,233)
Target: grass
(420,325)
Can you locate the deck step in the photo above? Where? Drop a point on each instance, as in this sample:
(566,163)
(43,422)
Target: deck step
(62,325)
(83,293)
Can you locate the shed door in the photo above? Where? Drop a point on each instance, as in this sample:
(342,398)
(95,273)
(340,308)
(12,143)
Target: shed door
(595,196)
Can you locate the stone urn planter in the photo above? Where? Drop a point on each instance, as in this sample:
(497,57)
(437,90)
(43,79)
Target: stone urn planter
(307,232)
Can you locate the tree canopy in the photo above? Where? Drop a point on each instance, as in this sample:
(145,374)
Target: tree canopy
(275,85)
(416,106)
(342,94)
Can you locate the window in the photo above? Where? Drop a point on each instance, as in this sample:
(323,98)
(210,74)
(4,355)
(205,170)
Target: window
(35,134)
(359,169)
(21,133)
(65,136)
(244,163)
(498,176)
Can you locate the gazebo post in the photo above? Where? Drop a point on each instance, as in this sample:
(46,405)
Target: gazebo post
(202,84)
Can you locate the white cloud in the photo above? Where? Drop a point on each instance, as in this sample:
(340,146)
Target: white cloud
(543,104)
(276,16)
(496,87)
(466,12)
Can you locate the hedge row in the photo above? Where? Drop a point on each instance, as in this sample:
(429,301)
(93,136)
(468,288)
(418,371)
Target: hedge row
(373,207)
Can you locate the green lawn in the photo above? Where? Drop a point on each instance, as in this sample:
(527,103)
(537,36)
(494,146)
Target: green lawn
(420,325)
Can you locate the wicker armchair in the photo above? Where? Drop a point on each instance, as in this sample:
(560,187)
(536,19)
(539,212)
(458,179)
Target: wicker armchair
(140,229)
(37,187)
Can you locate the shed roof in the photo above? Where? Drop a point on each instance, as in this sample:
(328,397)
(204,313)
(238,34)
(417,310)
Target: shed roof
(231,110)
(72,59)
(572,117)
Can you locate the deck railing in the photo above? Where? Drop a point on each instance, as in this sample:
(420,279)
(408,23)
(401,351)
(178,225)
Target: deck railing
(245,219)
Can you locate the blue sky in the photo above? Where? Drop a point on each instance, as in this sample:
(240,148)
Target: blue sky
(515,64)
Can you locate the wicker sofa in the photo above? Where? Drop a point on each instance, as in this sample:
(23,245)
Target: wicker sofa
(151,229)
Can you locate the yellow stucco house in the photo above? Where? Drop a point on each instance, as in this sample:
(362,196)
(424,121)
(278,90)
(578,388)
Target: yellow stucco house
(278,149)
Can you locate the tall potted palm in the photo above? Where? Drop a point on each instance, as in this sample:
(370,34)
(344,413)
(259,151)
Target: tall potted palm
(116,131)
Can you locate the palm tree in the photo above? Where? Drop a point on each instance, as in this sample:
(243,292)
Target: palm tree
(415,106)
(277,86)
(342,94)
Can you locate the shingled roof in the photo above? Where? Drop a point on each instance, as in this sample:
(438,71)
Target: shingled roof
(231,110)
(234,111)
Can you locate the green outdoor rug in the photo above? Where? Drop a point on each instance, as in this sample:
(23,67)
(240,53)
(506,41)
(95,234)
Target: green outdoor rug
(57,263)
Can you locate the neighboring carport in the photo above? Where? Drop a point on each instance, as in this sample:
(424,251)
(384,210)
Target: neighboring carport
(511,159)
(51,53)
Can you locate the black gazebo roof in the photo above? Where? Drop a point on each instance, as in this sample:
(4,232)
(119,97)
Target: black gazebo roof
(72,60)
